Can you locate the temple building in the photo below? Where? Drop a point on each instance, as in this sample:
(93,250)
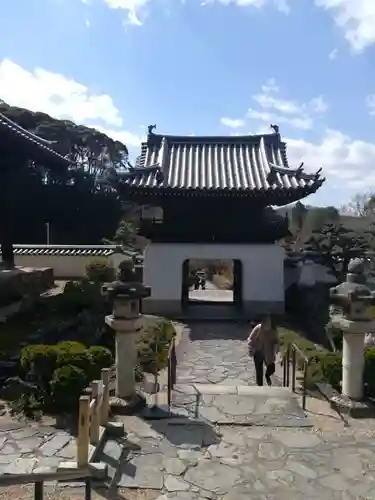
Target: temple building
(18,146)
(215,196)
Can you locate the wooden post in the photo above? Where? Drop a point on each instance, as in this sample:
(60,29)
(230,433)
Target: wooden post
(83,439)
(104,410)
(95,405)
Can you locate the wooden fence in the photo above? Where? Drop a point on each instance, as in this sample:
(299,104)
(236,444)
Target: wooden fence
(41,478)
(93,417)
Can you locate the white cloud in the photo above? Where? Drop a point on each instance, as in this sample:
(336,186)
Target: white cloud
(270,99)
(233,122)
(124,136)
(134,9)
(356,18)
(370,103)
(333,54)
(304,123)
(281,5)
(61,97)
(272,108)
(347,162)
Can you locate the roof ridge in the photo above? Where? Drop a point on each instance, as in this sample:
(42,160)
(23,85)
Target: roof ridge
(210,138)
(44,144)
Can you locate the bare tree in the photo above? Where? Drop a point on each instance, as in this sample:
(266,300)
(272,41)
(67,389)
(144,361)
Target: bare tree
(361,205)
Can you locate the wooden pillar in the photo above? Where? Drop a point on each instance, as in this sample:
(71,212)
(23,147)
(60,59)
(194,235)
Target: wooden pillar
(83,439)
(104,411)
(95,412)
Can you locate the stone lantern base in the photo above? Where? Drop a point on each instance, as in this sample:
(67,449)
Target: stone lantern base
(127,406)
(355,409)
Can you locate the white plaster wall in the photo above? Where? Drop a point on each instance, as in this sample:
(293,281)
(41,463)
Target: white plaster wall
(64,267)
(263,268)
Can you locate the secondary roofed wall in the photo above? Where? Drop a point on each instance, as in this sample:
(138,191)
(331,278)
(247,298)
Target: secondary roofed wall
(64,267)
(262,280)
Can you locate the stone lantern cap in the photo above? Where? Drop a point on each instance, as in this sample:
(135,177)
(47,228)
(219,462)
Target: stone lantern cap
(353,291)
(130,291)
(126,285)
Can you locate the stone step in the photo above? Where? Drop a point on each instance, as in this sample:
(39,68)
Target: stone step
(241,405)
(241,390)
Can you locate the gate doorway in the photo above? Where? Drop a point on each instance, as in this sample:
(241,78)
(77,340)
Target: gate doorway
(211,282)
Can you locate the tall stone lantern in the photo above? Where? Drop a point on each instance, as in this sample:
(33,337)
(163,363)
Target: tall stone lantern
(126,294)
(354,299)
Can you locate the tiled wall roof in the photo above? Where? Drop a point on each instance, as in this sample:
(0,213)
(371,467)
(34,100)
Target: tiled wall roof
(67,250)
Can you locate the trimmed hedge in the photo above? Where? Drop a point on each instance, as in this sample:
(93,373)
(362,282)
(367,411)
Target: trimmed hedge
(67,384)
(101,358)
(62,371)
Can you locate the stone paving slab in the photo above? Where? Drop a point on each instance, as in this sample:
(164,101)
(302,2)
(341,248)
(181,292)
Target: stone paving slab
(195,458)
(241,405)
(217,354)
(27,448)
(193,462)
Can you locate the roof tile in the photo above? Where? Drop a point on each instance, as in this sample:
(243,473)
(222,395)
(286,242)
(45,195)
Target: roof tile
(242,163)
(42,146)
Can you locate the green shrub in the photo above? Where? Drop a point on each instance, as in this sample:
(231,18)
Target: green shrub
(40,360)
(75,354)
(287,337)
(78,295)
(67,384)
(99,270)
(101,358)
(335,334)
(331,367)
(309,350)
(153,345)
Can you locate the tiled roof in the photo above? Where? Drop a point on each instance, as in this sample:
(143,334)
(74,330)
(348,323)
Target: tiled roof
(68,250)
(41,148)
(238,163)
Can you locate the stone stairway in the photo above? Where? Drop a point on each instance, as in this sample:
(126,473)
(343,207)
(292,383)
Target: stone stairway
(231,440)
(239,405)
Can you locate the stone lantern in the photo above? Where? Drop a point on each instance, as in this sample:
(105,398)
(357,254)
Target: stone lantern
(355,319)
(126,294)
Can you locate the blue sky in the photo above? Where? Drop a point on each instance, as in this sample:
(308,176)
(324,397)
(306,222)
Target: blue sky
(214,67)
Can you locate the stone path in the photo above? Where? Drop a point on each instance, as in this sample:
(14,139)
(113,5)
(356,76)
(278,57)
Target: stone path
(217,354)
(181,461)
(26,448)
(275,453)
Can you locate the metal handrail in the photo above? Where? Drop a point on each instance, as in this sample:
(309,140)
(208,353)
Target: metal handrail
(39,479)
(172,370)
(290,360)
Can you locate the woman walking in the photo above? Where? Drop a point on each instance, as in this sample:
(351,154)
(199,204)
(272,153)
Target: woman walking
(263,343)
